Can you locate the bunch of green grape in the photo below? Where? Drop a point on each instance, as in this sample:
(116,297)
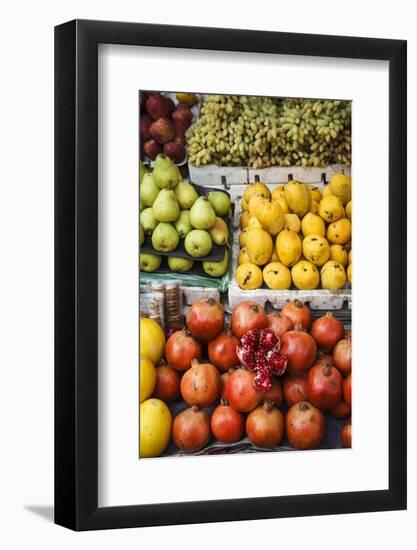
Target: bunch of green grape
(260,132)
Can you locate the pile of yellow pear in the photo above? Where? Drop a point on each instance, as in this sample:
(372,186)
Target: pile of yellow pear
(297,235)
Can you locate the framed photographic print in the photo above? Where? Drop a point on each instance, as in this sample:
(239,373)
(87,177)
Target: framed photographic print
(216,289)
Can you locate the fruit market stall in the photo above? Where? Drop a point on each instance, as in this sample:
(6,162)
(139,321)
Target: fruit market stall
(245,236)
(246,382)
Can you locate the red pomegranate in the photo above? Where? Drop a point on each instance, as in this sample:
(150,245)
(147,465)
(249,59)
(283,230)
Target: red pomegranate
(191,430)
(327,331)
(205,319)
(167,385)
(200,385)
(347,390)
(324,386)
(346,434)
(223,379)
(304,426)
(246,316)
(295,388)
(300,349)
(342,410)
(279,323)
(274,395)
(265,426)
(180,350)
(226,424)
(342,356)
(298,313)
(240,391)
(222,351)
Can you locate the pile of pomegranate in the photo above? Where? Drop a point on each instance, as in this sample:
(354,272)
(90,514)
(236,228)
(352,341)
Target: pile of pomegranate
(162,126)
(269,376)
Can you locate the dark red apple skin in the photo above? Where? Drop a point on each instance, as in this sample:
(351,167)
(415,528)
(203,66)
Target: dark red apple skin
(162,130)
(145,123)
(152,149)
(158,105)
(174,151)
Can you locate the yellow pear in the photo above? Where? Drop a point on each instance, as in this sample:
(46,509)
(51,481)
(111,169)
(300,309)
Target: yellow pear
(305,275)
(244,219)
(242,237)
(258,246)
(333,275)
(312,224)
(339,232)
(292,222)
(326,191)
(348,210)
(316,249)
(254,222)
(288,246)
(341,186)
(270,215)
(298,197)
(338,253)
(257,188)
(349,273)
(331,208)
(243,257)
(249,276)
(315,193)
(283,204)
(253,205)
(314,209)
(277,276)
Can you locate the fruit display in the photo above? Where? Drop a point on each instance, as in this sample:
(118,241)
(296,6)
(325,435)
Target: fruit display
(163,125)
(288,239)
(252,380)
(260,132)
(176,221)
(245,281)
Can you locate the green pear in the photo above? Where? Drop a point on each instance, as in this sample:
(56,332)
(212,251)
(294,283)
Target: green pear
(220,202)
(186,195)
(141,235)
(149,262)
(180,264)
(142,171)
(165,206)
(165,173)
(148,220)
(148,190)
(198,243)
(219,233)
(217,269)
(141,207)
(202,214)
(183,225)
(165,238)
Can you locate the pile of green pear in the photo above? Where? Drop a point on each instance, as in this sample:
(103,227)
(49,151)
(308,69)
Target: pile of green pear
(172,210)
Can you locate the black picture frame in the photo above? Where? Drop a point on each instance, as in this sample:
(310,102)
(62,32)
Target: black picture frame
(76,270)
